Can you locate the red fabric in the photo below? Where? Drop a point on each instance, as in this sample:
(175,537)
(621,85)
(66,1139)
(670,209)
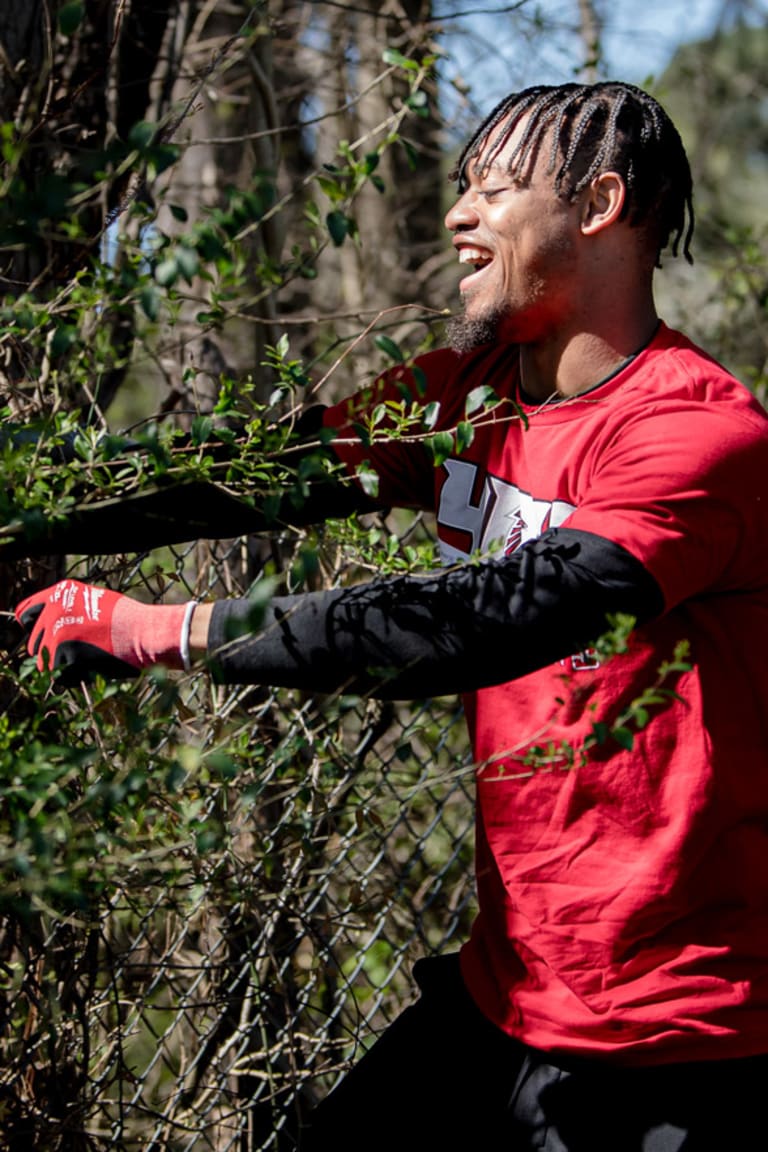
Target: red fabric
(73,612)
(623,900)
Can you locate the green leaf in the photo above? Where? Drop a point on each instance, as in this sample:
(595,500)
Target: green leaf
(465,434)
(141,135)
(305,566)
(63,338)
(221,765)
(393,57)
(211,248)
(201,429)
(418,101)
(368,479)
(441,446)
(187,263)
(271,505)
(162,157)
(333,190)
(411,154)
(430,414)
(260,598)
(208,836)
(624,738)
(641,716)
(479,398)
(419,379)
(71,17)
(390,348)
(214,316)
(149,297)
(337,224)
(167,272)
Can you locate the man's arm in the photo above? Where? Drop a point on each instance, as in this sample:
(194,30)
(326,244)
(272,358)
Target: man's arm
(403,637)
(176,512)
(456,630)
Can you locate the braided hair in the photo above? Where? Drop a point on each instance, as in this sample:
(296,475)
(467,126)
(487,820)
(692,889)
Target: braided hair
(605,127)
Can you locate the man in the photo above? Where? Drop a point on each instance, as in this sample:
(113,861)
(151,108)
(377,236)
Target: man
(614,992)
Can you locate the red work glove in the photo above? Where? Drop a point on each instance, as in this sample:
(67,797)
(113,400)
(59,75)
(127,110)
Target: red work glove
(85,630)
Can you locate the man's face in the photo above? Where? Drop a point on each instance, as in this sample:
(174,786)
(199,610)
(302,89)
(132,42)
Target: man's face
(520,239)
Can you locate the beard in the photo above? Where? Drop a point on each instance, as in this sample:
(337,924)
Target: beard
(466,333)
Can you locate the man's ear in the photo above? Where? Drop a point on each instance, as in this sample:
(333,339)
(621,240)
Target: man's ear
(603,202)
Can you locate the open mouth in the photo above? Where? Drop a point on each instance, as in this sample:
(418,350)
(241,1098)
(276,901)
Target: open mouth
(479,258)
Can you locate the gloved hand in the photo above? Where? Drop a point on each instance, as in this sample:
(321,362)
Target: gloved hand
(85,630)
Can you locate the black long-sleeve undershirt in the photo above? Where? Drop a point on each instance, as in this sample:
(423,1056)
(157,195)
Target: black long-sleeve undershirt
(177,512)
(467,627)
(460,629)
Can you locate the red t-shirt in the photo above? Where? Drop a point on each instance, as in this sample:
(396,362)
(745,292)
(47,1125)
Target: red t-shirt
(623,901)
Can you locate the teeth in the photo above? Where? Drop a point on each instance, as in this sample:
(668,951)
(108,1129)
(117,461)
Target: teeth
(473,256)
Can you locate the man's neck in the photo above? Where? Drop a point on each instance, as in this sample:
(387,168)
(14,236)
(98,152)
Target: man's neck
(581,362)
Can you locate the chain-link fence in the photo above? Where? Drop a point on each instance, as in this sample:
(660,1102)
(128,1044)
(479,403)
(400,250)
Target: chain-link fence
(208,1011)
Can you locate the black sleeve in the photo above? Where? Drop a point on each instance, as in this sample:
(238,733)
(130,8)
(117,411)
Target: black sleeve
(173,513)
(462,628)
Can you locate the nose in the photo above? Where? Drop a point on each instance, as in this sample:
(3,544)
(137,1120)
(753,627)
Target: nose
(463,213)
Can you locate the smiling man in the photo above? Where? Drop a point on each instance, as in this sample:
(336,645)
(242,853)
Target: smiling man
(613,994)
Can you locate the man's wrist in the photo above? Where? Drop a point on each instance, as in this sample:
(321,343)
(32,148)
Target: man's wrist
(198,630)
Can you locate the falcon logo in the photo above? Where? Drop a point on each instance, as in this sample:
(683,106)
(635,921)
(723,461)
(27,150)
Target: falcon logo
(515,535)
(476,510)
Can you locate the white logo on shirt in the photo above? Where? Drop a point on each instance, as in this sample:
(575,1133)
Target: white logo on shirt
(499,513)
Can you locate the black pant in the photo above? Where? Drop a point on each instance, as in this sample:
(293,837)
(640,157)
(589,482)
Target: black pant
(443,1079)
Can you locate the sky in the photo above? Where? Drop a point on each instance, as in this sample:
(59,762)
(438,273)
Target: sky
(645,35)
(492,52)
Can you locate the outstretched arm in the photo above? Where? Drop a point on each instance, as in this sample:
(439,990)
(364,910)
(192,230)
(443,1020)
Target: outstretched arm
(403,637)
(176,512)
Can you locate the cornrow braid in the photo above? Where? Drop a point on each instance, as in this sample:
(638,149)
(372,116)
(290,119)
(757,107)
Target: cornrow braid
(594,128)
